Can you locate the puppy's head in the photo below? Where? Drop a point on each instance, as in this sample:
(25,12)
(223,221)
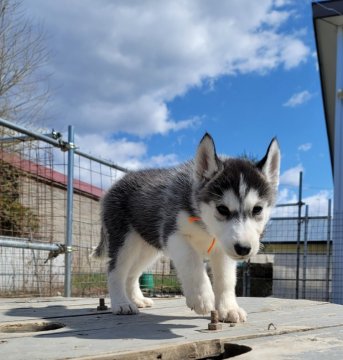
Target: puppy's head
(235,196)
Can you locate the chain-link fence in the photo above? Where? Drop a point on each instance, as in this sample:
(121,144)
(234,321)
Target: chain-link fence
(35,219)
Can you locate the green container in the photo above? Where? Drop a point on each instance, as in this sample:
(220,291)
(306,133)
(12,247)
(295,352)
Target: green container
(146,281)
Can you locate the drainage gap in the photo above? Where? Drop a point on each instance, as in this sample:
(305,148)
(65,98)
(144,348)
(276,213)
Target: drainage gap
(30,327)
(230,351)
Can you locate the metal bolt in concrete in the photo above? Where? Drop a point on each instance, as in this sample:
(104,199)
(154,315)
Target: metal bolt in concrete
(214,324)
(102,305)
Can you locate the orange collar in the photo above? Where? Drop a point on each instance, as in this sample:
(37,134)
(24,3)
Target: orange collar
(193,219)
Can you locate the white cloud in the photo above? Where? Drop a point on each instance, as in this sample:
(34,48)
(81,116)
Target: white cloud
(118,151)
(163,160)
(285,196)
(317,203)
(280,3)
(305,147)
(116,65)
(315,58)
(292,53)
(128,154)
(298,99)
(276,18)
(291,176)
(143,117)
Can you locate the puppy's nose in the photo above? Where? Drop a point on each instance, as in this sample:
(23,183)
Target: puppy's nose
(242,250)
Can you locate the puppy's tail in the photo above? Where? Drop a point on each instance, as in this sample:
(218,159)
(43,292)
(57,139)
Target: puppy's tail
(101,251)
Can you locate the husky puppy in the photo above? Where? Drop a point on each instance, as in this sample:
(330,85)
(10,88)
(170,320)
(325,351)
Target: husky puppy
(214,207)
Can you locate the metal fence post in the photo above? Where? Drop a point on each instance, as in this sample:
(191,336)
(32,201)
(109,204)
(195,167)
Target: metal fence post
(328,252)
(337,238)
(69,222)
(300,204)
(305,251)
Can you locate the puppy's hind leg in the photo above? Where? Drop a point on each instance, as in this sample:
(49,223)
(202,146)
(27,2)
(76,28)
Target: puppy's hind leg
(145,256)
(118,275)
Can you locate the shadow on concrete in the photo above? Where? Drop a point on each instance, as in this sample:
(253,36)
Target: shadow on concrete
(91,324)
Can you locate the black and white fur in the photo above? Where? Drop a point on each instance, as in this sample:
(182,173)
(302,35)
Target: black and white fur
(147,212)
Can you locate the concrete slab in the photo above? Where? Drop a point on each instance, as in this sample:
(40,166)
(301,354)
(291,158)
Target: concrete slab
(276,329)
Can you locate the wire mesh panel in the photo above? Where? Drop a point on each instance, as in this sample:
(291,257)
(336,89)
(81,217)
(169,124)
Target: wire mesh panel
(88,276)
(31,209)
(300,251)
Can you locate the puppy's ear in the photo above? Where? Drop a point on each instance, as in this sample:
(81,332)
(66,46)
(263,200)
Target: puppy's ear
(207,162)
(270,164)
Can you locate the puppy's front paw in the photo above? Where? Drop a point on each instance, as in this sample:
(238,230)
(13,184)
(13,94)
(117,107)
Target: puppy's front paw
(143,302)
(232,314)
(201,303)
(124,309)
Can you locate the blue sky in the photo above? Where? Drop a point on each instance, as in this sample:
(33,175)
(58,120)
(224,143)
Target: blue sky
(142,81)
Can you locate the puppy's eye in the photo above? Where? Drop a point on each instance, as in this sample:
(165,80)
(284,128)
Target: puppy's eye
(223,210)
(257,210)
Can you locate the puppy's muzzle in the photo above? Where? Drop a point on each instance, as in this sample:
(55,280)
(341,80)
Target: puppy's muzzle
(242,250)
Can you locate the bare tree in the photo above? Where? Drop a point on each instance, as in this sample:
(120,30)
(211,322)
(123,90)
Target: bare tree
(23,86)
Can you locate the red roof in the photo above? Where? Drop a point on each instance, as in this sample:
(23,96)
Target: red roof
(48,174)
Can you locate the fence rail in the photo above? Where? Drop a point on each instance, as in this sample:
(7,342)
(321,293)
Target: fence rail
(22,243)
(49,206)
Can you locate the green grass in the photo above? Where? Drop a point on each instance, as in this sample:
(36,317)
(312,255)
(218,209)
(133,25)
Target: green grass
(89,284)
(167,284)
(86,284)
